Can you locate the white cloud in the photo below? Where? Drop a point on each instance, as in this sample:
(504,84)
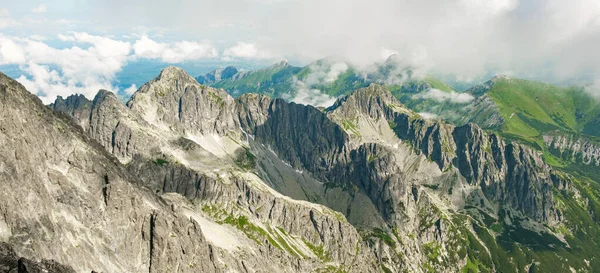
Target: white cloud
(49,71)
(439,95)
(173,52)
(427,115)
(5,19)
(386,53)
(130,90)
(247,51)
(10,52)
(37,37)
(243,50)
(304,94)
(551,40)
(39,9)
(325,71)
(90,64)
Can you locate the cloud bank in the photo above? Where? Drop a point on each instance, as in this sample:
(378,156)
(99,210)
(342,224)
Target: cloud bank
(90,64)
(551,40)
(441,96)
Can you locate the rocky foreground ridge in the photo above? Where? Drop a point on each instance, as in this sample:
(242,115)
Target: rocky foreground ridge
(186,178)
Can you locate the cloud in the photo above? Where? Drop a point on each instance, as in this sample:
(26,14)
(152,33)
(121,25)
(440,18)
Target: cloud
(245,50)
(427,115)
(49,71)
(325,71)
(304,94)
(173,52)
(10,52)
(39,9)
(552,39)
(5,19)
(90,64)
(130,90)
(441,96)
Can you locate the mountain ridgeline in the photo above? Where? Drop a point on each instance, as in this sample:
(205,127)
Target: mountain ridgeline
(525,111)
(186,178)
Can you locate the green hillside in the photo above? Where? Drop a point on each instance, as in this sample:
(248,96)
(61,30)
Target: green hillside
(533,108)
(273,81)
(283,80)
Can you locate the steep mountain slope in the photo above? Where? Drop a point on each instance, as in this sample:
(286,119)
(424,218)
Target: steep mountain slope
(530,109)
(63,197)
(553,119)
(418,195)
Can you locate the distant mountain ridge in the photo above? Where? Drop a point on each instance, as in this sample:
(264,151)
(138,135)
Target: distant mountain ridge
(519,109)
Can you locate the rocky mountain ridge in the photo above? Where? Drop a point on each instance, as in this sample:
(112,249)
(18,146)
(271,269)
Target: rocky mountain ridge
(366,155)
(579,149)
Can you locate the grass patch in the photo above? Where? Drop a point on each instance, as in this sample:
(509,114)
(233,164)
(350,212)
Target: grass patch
(161,162)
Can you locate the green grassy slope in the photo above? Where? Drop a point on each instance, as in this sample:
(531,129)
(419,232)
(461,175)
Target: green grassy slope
(273,81)
(533,108)
(278,81)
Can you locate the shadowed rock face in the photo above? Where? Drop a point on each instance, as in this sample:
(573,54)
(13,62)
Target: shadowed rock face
(10,262)
(507,172)
(367,156)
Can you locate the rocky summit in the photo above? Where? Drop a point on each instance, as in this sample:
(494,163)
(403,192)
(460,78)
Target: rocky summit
(186,178)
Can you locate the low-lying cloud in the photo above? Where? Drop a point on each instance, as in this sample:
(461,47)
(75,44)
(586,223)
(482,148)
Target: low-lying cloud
(427,115)
(305,94)
(441,96)
(324,71)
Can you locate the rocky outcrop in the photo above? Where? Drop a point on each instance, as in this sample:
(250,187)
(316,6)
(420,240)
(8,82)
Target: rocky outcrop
(77,106)
(301,135)
(482,111)
(574,148)
(10,262)
(176,101)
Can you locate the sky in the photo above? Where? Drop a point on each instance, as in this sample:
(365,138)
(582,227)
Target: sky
(79,46)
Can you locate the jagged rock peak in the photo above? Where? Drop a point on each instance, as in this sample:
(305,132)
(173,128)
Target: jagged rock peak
(103,94)
(374,94)
(173,72)
(75,101)
(75,98)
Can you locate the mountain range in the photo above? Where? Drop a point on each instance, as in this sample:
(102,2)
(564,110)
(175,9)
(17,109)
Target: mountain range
(220,173)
